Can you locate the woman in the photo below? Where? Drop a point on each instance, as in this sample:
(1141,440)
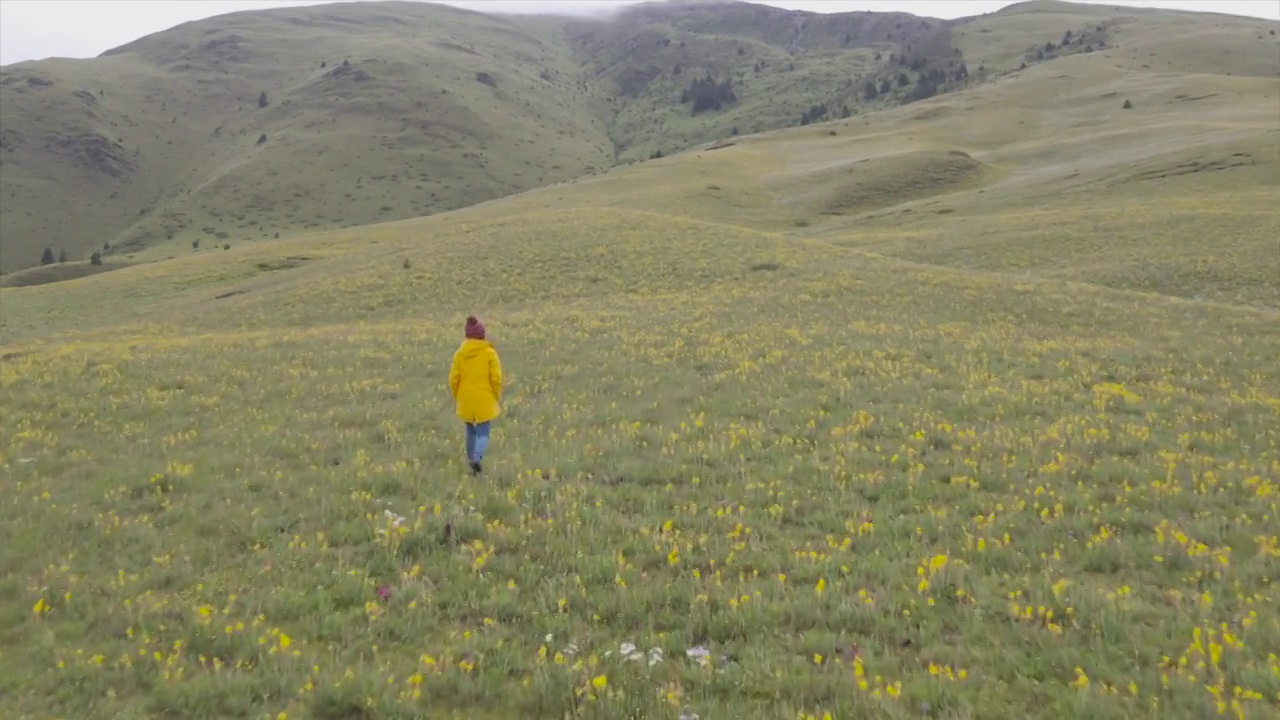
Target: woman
(476,382)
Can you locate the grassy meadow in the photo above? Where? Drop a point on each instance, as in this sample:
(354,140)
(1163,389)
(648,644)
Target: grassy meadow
(908,415)
(850,485)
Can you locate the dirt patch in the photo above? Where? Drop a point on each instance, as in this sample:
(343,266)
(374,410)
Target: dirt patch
(46,274)
(233,293)
(230,48)
(346,71)
(288,263)
(1235,161)
(1185,98)
(21,83)
(10,139)
(456,47)
(93,151)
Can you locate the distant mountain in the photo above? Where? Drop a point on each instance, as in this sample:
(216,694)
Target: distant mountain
(260,124)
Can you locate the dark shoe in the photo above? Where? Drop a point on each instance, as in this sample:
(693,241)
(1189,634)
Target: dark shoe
(475,468)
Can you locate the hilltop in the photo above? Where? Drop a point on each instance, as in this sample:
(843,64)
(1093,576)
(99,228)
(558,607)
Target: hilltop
(965,407)
(260,124)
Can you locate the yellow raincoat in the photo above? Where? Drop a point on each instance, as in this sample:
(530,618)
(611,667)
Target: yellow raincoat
(476,381)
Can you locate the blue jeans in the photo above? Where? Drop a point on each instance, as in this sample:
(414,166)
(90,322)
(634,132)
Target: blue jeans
(477,441)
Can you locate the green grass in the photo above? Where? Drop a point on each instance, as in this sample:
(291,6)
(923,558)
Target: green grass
(928,418)
(677,468)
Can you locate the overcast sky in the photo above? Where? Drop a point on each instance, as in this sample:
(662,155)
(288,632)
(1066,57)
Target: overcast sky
(35,29)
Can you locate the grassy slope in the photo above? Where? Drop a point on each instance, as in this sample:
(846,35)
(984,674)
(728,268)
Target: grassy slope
(406,130)
(735,421)
(1136,38)
(781,64)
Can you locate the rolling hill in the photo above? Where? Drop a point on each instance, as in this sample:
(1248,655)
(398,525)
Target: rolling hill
(260,124)
(241,127)
(964,407)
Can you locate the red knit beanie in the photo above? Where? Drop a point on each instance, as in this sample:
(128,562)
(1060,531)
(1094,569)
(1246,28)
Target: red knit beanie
(475,328)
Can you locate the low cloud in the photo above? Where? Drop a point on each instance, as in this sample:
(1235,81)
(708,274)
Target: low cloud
(568,8)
